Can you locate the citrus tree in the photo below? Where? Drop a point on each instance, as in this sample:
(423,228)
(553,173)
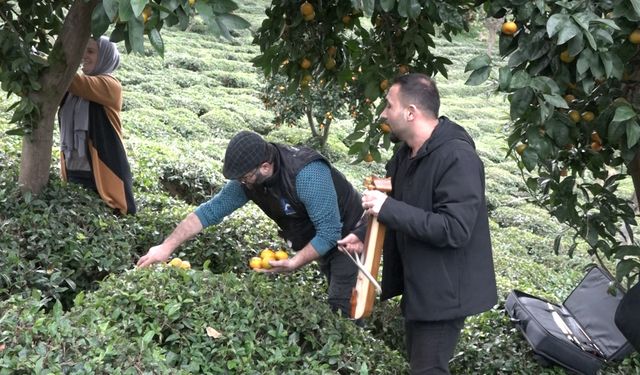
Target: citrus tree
(570,72)
(569,69)
(42,43)
(317,104)
(356,48)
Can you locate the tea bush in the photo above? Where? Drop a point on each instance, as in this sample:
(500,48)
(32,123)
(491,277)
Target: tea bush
(191,184)
(180,321)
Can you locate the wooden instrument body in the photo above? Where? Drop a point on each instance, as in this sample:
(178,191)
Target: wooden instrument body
(364,293)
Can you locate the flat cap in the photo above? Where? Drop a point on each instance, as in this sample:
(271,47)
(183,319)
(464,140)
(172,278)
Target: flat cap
(246,151)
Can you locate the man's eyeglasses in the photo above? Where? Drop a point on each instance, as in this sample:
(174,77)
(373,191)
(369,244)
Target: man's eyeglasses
(243,180)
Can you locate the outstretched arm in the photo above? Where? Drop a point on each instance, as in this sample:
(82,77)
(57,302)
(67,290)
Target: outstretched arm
(187,228)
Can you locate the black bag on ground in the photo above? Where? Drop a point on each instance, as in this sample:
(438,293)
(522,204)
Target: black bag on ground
(628,316)
(579,335)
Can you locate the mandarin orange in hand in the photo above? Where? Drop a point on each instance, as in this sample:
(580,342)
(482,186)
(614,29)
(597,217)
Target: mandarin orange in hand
(255,263)
(281,254)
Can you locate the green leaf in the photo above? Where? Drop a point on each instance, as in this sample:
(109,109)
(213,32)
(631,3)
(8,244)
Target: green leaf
(99,21)
(555,100)
(567,32)
(518,57)
(367,6)
(224,6)
(137,6)
(15,131)
(520,102)
(111,8)
(530,159)
(478,76)
(233,22)
(633,133)
(608,22)
(125,13)
(504,78)
(387,5)
(557,130)
(148,337)
(478,62)
(624,113)
(607,63)
(636,6)
(372,90)
(136,35)
(156,41)
(556,244)
(404,8)
(615,131)
(519,80)
(590,39)
(625,267)
(556,23)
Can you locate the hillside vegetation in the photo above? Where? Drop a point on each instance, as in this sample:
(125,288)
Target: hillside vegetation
(72,302)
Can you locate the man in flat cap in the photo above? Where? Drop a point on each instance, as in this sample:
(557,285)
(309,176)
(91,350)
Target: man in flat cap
(313,204)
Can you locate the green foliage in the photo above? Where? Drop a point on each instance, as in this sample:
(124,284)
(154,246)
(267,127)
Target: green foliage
(190,322)
(190,183)
(334,50)
(32,37)
(572,104)
(317,104)
(177,123)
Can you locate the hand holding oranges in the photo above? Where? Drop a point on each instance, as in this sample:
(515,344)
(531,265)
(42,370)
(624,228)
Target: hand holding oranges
(263,262)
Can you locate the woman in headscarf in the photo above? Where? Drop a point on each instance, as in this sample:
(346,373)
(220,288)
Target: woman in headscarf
(92,150)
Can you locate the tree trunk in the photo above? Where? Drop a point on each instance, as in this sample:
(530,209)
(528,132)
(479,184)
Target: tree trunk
(63,63)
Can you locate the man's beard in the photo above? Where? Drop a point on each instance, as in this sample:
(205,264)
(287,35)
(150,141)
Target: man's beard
(393,138)
(260,179)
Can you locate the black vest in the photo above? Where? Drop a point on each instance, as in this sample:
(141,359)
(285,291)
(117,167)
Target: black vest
(278,198)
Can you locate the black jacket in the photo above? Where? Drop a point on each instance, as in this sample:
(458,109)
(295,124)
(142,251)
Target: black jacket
(437,251)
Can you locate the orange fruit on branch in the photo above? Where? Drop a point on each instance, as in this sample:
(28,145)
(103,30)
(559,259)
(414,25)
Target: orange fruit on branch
(634,37)
(588,116)
(565,57)
(305,63)
(521,147)
(574,116)
(306,9)
(146,14)
(569,98)
(330,63)
(596,146)
(509,28)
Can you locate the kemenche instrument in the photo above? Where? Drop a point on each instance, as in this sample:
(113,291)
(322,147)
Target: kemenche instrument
(364,293)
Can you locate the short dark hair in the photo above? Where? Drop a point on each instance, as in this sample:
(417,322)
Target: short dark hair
(419,90)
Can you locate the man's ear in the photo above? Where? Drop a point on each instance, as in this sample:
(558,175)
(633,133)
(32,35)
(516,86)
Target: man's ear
(410,113)
(265,166)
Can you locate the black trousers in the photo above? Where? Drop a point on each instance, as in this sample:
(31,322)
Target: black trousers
(341,274)
(430,344)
